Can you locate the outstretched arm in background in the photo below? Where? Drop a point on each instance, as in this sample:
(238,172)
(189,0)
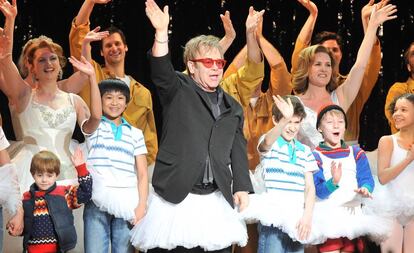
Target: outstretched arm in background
(349,89)
(230,33)
(305,35)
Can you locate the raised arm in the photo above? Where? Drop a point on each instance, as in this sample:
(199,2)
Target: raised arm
(253,50)
(305,35)
(80,27)
(367,9)
(279,75)
(86,10)
(286,108)
(88,120)
(159,20)
(18,94)
(349,89)
(230,33)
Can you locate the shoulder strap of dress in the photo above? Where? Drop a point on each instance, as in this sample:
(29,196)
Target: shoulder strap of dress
(334,98)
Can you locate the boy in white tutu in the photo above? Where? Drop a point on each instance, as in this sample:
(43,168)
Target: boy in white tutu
(118,167)
(285,209)
(201,169)
(344,175)
(9,192)
(48,219)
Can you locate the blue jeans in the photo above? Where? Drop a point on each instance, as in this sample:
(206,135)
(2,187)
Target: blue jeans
(272,240)
(102,229)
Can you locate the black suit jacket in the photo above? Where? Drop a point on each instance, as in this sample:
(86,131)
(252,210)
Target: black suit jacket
(190,132)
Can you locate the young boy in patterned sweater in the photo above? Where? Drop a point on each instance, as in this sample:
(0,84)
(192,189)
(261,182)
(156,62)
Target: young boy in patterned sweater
(48,218)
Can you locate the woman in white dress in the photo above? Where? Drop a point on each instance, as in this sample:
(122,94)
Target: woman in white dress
(46,115)
(314,81)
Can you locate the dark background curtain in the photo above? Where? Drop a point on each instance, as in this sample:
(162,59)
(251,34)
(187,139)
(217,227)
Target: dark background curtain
(282,22)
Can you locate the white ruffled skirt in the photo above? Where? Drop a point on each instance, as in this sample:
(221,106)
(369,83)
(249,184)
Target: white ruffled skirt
(206,221)
(328,221)
(392,201)
(118,201)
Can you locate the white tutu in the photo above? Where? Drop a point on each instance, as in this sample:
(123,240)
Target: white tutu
(118,201)
(390,201)
(206,221)
(328,221)
(10,197)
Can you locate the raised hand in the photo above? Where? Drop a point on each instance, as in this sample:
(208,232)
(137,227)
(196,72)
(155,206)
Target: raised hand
(230,33)
(364,192)
(83,65)
(77,157)
(381,13)
(285,107)
(252,20)
(8,10)
(310,6)
(95,35)
(159,18)
(336,172)
(4,45)
(259,28)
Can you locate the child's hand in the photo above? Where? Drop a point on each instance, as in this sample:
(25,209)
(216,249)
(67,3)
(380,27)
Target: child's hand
(83,66)
(241,199)
(16,223)
(140,211)
(77,157)
(336,172)
(285,107)
(304,227)
(364,192)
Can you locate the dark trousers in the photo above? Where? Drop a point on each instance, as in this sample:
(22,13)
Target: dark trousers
(185,250)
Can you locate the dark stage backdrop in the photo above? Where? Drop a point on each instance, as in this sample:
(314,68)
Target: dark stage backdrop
(282,22)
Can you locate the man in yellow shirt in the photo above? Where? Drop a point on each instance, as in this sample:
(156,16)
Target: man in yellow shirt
(400,88)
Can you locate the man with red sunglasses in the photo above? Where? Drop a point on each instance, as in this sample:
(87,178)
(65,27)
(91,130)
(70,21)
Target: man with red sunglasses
(201,169)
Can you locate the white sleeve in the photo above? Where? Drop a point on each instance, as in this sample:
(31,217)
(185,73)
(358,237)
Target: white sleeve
(312,165)
(139,141)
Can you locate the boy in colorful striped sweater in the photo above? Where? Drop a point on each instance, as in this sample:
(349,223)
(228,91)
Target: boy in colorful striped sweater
(48,218)
(344,177)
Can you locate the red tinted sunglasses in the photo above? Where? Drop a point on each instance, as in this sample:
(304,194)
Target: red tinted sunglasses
(208,62)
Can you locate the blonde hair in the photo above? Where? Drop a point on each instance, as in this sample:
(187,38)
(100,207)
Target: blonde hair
(45,161)
(45,42)
(194,45)
(24,71)
(300,79)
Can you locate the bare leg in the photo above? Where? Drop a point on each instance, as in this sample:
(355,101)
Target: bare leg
(409,236)
(394,242)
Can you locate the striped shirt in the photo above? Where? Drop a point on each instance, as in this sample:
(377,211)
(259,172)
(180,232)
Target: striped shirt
(112,152)
(284,165)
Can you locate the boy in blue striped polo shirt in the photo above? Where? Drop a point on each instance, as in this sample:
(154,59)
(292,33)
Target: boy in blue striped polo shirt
(118,167)
(288,168)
